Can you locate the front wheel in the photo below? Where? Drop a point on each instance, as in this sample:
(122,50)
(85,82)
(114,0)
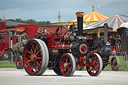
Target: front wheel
(67,64)
(19,62)
(57,70)
(115,63)
(94,64)
(6,55)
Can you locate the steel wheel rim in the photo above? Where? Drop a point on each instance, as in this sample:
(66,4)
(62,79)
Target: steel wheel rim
(115,63)
(46,55)
(33,57)
(94,65)
(66,65)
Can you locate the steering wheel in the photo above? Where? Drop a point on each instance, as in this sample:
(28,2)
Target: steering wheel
(61,28)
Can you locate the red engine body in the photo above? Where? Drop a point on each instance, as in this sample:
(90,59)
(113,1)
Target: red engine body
(4,41)
(62,50)
(7,41)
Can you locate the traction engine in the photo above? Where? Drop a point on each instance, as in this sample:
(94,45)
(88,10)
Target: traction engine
(61,51)
(7,39)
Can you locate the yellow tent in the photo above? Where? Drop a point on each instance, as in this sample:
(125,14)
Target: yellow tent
(91,18)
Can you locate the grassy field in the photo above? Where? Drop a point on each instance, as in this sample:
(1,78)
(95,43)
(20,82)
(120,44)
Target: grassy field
(123,64)
(6,64)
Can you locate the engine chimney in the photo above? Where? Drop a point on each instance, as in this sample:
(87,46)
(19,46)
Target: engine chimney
(105,32)
(80,23)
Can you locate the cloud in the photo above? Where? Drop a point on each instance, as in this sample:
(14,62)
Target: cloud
(41,10)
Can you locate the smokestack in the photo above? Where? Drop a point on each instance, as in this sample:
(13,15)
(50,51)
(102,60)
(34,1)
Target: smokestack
(80,23)
(105,32)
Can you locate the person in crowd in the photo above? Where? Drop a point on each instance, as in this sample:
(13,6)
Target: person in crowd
(113,43)
(44,31)
(38,33)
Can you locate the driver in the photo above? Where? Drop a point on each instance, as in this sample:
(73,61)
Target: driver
(44,31)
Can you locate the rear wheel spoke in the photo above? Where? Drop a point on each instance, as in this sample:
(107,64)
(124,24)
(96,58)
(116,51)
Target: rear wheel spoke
(34,57)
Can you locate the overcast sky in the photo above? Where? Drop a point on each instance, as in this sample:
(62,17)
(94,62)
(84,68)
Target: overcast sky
(47,10)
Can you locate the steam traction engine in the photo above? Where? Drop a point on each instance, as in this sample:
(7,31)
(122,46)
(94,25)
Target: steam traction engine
(7,39)
(61,51)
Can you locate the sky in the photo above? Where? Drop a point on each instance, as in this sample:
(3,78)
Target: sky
(47,10)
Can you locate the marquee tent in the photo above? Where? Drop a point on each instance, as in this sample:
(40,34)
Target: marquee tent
(92,17)
(113,22)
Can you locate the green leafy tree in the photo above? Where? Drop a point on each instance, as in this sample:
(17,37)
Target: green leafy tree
(10,20)
(19,20)
(48,22)
(30,21)
(1,19)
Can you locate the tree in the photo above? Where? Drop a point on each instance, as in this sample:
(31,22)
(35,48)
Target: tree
(10,20)
(48,22)
(30,21)
(19,20)
(1,19)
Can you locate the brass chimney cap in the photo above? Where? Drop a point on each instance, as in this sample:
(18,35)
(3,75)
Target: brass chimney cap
(80,14)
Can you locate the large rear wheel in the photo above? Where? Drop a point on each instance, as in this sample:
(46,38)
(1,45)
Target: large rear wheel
(35,57)
(94,64)
(67,64)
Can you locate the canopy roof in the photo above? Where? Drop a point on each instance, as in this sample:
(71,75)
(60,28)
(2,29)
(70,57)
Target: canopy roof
(113,22)
(92,16)
(124,25)
(11,23)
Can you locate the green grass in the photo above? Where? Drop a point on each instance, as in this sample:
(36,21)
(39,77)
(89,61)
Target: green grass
(123,64)
(6,64)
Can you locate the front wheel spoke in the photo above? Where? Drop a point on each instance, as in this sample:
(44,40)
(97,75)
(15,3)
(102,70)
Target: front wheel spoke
(69,70)
(93,70)
(92,58)
(69,64)
(96,68)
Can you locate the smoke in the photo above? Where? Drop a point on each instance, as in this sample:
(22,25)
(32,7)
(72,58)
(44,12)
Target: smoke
(103,3)
(100,5)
